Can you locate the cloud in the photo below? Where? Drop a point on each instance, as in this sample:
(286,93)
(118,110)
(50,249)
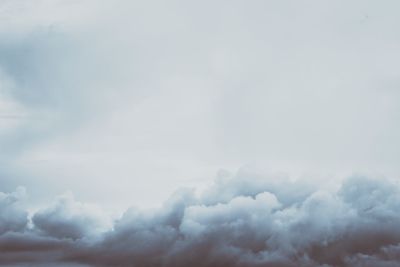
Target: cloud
(12,216)
(244,222)
(68,218)
(30,248)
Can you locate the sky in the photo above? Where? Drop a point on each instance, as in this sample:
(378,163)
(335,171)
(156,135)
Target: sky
(118,104)
(142,98)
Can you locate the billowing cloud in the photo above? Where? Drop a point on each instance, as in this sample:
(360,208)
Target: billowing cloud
(238,221)
(70,219)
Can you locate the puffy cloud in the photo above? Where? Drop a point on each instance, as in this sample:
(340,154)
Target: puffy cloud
(251,222)
(68,218)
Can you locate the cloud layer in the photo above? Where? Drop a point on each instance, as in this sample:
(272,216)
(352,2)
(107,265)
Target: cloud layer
(241,220)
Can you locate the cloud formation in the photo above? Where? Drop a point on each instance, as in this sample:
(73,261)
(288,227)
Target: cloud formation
(238,221)
(68,218)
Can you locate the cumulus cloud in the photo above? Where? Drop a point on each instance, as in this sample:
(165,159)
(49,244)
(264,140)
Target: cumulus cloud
(68,218)
(238,221)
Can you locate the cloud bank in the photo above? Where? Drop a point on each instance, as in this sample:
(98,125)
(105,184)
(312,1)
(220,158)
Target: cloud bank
(241,220)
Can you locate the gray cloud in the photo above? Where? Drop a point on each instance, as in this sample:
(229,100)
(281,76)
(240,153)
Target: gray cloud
(70,219)
(239,221)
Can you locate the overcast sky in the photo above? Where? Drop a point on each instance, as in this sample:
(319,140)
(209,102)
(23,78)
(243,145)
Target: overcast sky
(121,102)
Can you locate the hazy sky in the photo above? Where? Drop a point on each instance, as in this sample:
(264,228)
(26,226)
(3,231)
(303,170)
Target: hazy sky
(122,102)
(199,133)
